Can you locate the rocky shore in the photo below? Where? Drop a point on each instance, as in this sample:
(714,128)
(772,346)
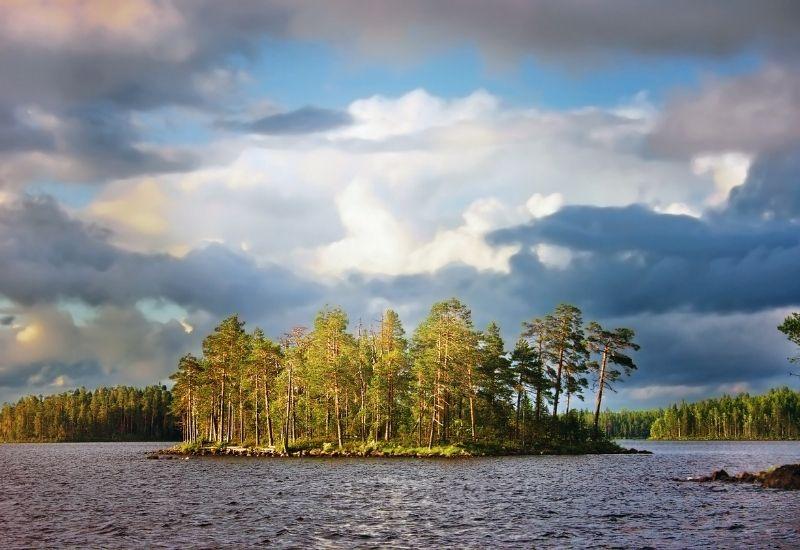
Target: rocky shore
(783,477)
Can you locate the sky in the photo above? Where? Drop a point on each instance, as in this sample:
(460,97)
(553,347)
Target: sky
(164,164)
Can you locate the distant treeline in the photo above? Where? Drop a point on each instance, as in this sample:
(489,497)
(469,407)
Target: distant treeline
(774,415)
(626,424)
(121,413)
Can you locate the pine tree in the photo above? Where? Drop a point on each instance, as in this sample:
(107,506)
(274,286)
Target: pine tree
(612,346)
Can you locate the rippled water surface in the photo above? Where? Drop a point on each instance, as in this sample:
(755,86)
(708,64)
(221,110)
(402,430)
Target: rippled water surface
(109,495)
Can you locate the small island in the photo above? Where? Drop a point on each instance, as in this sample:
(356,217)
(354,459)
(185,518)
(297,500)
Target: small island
(449,391)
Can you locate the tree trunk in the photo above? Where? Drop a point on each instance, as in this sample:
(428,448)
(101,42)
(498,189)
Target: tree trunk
(519,405)
(600,392)
(558,382)
(471,403)
(221,433)
(270,436)
(336,410)
(255,400)
(288,409)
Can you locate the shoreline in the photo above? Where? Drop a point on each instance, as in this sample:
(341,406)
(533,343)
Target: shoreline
(388,451)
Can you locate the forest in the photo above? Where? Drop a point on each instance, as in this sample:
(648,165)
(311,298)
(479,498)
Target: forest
(773,415)
(448,382)
(121,413)
(628,424)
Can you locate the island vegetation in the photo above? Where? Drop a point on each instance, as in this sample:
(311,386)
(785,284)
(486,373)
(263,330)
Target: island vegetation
(448,386)
(121,413)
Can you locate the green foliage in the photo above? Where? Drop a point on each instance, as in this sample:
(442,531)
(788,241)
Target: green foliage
(791,328)
(451,386)
(627,424)
(774,415)
(121,413)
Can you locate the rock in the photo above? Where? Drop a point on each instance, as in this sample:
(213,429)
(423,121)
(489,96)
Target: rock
(785,477)
(721,475)
(747,477)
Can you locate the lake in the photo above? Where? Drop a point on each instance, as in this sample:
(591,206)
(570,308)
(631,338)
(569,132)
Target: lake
(109,495)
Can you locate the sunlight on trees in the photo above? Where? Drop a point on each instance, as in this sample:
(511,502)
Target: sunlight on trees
(449,383)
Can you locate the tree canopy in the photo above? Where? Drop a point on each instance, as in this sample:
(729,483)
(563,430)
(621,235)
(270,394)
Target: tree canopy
(449,382)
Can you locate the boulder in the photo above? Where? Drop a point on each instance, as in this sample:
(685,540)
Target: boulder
(785,477)
(721,475)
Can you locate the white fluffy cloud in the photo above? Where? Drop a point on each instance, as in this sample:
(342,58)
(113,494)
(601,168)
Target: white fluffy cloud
(412,185)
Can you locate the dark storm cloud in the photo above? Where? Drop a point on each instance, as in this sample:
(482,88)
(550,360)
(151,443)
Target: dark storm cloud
(6,320)
(16,135)
(100,143)
(46,256)
(772,190)
(90,71)
(43,373)
(555,28)
(306,120)
(633,260)
(142,63)
(106,142)
(157,56)
(753,113)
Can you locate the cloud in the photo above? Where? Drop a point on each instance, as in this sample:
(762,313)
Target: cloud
(729,170)
(379,117)
(635,260)
(151,53)
(49,256)
(91,69)
(627,280)
(146,55)
(90,143)
(752,113)
(772,190)
(681,223)
(414,180)
(377,243)
(552,28)
(116,346)
(306,120)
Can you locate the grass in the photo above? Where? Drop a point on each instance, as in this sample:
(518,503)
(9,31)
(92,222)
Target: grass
(318,447)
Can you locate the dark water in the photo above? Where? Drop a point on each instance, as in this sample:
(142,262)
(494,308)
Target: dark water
(108,495)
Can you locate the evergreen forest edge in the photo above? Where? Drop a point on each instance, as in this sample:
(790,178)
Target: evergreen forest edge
(449,384)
